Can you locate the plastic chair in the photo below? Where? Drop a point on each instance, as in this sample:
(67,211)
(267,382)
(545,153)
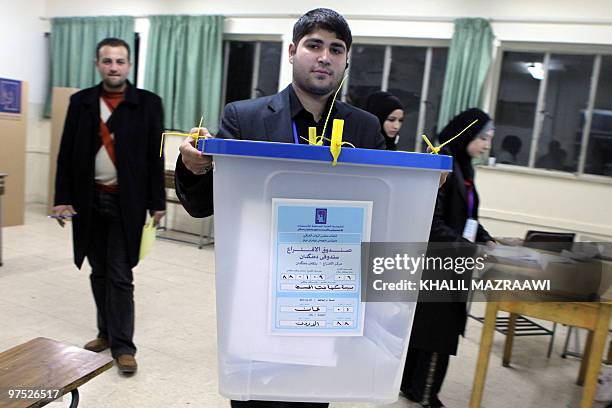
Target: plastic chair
(550,241)
(545,240)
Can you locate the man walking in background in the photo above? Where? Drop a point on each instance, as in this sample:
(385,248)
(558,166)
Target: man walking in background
(109,173)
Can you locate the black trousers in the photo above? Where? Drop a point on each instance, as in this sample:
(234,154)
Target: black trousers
(111,275)
(277,404)
(423,376)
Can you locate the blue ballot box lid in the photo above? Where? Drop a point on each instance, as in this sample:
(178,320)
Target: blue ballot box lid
(250,148)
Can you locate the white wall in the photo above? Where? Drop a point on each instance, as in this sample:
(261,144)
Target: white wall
(514,200)
(559,21)
(520,20)
(527,9)
(23,56)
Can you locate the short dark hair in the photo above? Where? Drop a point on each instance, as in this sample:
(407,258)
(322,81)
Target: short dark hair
(113,42)
(326,19)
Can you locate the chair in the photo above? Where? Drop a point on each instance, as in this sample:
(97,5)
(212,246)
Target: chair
(173,199)
(566,351)
(545,240)
(550,241)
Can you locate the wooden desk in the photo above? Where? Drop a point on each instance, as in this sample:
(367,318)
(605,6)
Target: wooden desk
(45,364)
(594,317)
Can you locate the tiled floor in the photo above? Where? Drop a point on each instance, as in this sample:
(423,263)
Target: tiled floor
(42,294)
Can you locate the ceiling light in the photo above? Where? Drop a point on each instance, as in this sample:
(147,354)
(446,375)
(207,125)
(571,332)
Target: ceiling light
(536,69)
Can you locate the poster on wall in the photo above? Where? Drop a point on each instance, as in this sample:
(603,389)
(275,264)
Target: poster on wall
(10,98)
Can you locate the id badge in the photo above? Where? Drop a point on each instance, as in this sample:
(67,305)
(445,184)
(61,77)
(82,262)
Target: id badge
(470,229)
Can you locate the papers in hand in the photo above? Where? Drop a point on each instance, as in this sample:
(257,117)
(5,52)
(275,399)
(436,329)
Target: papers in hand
(147,240)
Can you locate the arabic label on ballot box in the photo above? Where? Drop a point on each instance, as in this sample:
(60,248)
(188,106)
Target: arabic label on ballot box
(316,266)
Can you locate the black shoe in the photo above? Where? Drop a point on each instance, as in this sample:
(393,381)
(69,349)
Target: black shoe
(408,394)
(435,403)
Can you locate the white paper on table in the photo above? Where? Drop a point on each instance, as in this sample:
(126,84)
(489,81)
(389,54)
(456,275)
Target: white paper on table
(523,254)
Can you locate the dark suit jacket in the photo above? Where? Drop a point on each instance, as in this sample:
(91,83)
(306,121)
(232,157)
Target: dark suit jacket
(137,124)
(268,119)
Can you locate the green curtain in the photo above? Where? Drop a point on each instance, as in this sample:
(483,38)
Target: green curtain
(469,59)
(73,49)
(184,66)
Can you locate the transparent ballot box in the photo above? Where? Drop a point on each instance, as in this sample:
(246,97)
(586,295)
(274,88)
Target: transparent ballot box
(288,228)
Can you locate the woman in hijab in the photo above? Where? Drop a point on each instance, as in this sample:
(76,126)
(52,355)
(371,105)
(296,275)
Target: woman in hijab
(438,324)
(390,113)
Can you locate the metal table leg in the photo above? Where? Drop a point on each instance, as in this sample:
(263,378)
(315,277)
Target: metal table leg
(75,398)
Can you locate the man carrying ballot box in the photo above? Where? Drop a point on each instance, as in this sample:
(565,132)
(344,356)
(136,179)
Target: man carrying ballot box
(318,53)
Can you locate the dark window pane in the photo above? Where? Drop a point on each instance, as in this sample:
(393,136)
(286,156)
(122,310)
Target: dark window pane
(365,73)
(269,68)
(434,95)
(567,94)
(405,82)
(516,107)
(134,57)
(599,153)
(239,71)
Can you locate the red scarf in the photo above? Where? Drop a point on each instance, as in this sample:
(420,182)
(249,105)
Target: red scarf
(112,100)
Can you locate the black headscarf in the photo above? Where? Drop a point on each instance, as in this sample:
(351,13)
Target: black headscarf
(381,104)
(458,147)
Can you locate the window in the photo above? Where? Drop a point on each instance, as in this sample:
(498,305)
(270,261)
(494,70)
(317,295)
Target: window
(253,67)
(405,82)
(599,157)
(567,93)
(365,72)
(516,108)
(554,111)
(415,74)
(433,97)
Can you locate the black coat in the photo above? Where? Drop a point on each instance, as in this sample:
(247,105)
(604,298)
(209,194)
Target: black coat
(268,119)
(437,325)
(451,211)
(137,124)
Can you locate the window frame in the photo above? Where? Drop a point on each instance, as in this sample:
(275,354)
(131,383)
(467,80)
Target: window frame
(595,50)
(257,40)
(388,43)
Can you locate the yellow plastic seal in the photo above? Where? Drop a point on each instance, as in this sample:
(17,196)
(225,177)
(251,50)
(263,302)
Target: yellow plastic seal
(336,140)
(436,150)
